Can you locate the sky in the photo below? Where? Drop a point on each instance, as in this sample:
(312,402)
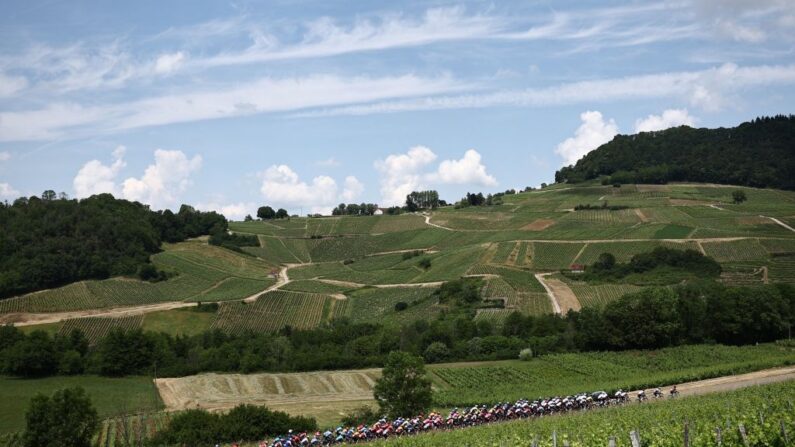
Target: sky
(305,104)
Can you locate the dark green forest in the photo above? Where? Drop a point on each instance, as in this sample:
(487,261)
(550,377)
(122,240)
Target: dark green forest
(48,242)
(759,153)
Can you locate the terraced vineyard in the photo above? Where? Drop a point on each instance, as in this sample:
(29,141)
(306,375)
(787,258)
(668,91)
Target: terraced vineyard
(272,311)
(563,374)
(97,328)
(601,294)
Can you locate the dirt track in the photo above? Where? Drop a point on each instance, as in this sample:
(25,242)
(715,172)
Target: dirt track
(562,297)
(30,319)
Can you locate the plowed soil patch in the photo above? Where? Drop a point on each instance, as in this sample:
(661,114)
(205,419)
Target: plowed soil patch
(538,225)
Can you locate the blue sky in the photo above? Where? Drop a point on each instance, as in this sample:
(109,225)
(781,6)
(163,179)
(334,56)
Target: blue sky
(305,104)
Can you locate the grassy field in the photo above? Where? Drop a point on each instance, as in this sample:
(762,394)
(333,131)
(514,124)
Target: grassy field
(110,396)
(572,373)
(762,410)
(203,273)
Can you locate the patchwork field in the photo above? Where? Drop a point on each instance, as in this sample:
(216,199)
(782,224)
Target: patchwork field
(326,259)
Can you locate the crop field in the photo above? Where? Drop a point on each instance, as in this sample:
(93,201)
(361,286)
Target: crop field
(96,328)
(271,312)
(740,250)
(311,286)
(204,272)
(185,321)
(762,411)
(128,430)
(572,373)
(275,250)
(782,269)
(450,265)
(494,316)
(554,256)
(110,396)
(599,295)
(627,216)
(378,305)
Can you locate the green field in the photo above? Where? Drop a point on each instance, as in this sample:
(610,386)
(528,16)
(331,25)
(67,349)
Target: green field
(562,374)
(110,396)
(762,410)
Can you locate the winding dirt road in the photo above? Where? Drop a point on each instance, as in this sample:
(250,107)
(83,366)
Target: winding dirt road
(560,294)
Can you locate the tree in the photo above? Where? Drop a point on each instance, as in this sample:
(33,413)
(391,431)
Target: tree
(282,214)
(266,213)
(48,195)
(738,196)
(67,419)
(606,261)
(248,218)
(403,389)
(436,352)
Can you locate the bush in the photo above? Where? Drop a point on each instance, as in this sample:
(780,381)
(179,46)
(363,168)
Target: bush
(148,272)
(526,354)
(347,262)
(425,263)
(401,306)
(436,352)
(67,419)
(360,415)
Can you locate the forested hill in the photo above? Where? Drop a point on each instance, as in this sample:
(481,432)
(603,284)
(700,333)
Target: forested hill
(760,153)
(48,242)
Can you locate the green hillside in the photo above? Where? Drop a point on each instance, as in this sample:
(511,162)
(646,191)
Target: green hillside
(757,153)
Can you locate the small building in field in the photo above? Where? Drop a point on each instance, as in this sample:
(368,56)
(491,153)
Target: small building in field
(378,212)
(577,268)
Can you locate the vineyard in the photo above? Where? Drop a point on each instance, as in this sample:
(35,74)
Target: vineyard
(599,295)
(764,414)
(571,373)
(554,256)
(740,250)
(96,328)
(271,312)
(378,305)
(130,430)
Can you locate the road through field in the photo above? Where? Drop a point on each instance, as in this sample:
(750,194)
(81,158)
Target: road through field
(30,319)
(780,223)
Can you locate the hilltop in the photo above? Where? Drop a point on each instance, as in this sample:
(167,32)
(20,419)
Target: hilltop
(758,153)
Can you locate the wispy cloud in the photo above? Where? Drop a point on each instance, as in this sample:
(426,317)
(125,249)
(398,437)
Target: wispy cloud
(65,120)
(706,89)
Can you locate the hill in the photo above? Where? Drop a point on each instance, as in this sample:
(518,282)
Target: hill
(759,153)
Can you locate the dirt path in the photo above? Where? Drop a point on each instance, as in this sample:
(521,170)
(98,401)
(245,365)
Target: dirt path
(282,280)
(428,222)
(728,383)
(561,296)
(780,223)
(30,319)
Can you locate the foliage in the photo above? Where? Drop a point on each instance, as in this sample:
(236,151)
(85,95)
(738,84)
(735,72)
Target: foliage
(603,206)
(67,419)
(403,389)
(419,200)
(352,209)
(242,423)
(233,241)
(360,415)
(266,213)
(756,153)
(738,196)
(424,263)
(48,243)
(659,260)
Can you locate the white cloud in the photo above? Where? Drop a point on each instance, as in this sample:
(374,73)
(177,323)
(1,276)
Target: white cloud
(232,211)
(163,181)
(281,186)
(5,156)
(167,63)
(592,133)
(11,85)
(96,178)
(352,190)
(669,118)
(706,89)
(469,170)
(402,173)
(8,192)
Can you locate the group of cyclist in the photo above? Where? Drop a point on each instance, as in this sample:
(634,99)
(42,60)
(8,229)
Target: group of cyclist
(457,418)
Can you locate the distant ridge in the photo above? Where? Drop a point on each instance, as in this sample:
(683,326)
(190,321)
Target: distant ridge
(759,153)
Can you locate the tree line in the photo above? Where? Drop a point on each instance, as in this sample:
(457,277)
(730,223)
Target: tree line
(49,241)
(701,312)
(756,153)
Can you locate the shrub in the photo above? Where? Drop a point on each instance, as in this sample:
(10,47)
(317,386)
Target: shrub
(425,263)
(401,306)
(526,354)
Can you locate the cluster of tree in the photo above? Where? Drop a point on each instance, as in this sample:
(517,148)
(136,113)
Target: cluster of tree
(662,262)
(757,153)
(233,241)
(65,419)
(38,354)
(655,317)
(244,423)
(423,200)
(603,206)
(268,213)
(49,242)
(352,209)
(478,199)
